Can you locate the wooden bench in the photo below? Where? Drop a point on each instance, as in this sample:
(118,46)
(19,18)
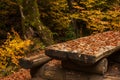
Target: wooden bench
(87,51)
(87,54)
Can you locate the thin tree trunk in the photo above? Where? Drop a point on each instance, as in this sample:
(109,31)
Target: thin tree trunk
(73,21)
(30,21)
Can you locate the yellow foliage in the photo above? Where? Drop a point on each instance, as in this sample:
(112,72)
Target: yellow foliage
(55,13)
(99,15)
(12,49)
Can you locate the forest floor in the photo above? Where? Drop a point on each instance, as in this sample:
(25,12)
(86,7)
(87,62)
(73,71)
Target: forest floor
(113,72)
(22,74)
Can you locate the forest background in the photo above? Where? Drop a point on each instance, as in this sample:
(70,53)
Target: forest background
(28,25)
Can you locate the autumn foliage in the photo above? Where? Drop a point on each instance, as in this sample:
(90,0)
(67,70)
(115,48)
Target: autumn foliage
(58,16)
(100,15)
(12,49)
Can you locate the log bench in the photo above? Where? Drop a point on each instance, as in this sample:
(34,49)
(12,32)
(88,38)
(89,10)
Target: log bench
(87,51)
(87,54)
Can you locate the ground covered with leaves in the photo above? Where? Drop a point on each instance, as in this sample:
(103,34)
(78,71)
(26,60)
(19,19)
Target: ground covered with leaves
(22,74)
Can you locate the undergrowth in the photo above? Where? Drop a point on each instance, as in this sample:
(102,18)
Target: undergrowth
(11,50)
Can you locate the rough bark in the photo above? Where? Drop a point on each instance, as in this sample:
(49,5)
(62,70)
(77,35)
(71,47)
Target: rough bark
(31,21)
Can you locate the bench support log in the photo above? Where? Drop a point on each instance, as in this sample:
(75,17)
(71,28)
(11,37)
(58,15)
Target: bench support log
(100,67)
(54,71)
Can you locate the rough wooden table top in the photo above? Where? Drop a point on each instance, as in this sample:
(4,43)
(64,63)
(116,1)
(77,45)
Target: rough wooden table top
(95,46)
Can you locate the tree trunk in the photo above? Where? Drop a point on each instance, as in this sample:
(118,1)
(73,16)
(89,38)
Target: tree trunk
(73,21)
(31,24)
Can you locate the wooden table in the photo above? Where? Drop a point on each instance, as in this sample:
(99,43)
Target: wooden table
(88,49)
